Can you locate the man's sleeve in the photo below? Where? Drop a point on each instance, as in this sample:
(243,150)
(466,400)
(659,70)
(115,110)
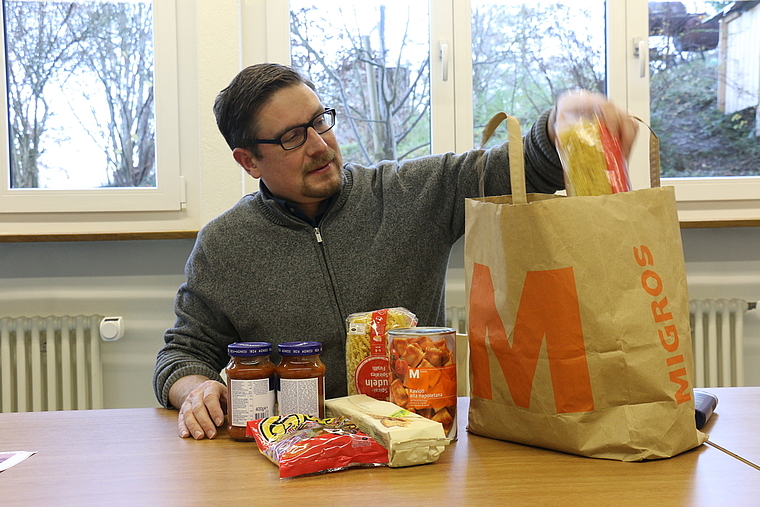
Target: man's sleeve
(543,169)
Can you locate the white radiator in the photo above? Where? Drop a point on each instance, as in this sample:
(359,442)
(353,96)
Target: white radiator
(717,328)
(717,331)
(50,363)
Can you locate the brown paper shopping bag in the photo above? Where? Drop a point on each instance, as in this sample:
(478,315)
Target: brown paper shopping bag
(579,322)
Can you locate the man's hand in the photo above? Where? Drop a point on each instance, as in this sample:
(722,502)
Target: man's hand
(202,404)
(579,103)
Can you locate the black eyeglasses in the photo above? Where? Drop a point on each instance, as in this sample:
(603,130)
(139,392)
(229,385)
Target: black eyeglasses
(296,136)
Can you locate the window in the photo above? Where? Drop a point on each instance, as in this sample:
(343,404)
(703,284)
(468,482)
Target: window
(516,56)
(370,61)
(524,54)
(704,77)
(90,106)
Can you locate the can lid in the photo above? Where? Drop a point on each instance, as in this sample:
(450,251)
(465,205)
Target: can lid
(249,349)
(421,331)
(299,348)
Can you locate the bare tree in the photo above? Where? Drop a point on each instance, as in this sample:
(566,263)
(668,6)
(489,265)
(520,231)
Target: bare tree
(40,49)
(383,99)
(121,56)
(525,55)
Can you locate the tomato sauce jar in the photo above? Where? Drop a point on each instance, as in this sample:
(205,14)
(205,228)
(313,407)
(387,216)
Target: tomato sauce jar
(250,386)
(301,379)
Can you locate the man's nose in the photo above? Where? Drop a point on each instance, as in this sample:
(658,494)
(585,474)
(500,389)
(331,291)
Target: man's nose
(314,142)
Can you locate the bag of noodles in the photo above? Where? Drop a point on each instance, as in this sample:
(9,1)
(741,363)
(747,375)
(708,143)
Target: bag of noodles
(367,367)
(591,156)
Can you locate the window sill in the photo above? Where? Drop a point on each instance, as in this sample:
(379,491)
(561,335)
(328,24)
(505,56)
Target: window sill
(712,224)
(115,236)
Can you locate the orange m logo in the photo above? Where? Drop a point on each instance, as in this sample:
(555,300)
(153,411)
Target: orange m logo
(548,310)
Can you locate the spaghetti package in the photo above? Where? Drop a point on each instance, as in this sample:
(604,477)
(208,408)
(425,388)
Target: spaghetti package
(367,368)
(304,445)
(592,159)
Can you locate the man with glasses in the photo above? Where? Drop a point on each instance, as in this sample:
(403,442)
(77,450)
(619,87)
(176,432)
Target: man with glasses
(322,240)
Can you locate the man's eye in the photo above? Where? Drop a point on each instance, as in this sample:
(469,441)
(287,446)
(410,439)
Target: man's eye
(320,123)
(290,136)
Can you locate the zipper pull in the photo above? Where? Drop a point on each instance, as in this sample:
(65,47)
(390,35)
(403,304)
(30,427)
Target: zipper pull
(317,233)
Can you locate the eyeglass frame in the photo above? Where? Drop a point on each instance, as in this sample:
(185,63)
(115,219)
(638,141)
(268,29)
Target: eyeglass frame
(328,111)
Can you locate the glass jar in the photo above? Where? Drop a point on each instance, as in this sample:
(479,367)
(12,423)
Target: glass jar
(301,376)
(250,386)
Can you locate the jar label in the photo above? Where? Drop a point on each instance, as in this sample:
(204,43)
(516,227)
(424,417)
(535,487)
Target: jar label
(250,400)
(299,396)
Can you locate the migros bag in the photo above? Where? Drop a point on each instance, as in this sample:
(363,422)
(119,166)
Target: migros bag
(578,318)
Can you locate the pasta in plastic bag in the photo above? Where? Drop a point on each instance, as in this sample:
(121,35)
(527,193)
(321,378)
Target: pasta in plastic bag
(592,159)
(367,367)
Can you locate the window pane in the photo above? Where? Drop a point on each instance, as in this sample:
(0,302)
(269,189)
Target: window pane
(704,60)
(80,94)
(524,54)
(370,61)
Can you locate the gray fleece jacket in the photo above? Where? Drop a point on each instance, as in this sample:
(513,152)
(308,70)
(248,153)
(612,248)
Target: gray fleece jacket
(256,273)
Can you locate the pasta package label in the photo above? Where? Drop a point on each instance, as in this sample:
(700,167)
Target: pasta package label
(424,374)
(592,159)
(367,364)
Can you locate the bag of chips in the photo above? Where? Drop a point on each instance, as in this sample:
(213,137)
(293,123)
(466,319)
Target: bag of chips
(304,445)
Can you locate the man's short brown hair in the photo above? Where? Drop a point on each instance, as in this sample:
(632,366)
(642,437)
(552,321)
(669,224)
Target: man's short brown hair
(237,106)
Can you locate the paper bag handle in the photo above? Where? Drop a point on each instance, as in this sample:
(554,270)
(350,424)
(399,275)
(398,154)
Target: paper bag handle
(517,159)
(654,155)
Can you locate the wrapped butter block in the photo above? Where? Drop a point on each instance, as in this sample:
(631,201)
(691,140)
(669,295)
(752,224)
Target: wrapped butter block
(410,438)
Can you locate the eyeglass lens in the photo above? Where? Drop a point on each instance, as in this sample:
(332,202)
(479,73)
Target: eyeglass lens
(296,137)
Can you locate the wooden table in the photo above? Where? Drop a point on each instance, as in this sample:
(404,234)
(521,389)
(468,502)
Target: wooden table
(134,457)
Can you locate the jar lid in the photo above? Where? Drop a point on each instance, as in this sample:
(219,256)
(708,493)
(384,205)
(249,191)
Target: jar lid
(421,331)
(299,348)
(249,349)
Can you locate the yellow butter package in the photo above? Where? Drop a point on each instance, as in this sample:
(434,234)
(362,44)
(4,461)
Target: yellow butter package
(409,438)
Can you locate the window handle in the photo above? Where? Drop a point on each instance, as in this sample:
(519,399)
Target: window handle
(443,47)
(641,51)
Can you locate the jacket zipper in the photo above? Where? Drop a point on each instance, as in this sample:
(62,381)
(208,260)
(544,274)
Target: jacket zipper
(321,244)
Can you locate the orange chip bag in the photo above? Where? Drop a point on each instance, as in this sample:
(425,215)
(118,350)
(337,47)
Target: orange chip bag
(303,445)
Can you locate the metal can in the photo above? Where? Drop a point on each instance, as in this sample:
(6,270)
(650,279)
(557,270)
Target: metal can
(250,386)
(424,373)
(301,379)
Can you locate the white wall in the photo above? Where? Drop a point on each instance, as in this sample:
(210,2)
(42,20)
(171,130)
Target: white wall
(134,279)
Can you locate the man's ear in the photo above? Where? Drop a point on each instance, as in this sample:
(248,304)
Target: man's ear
(245,159)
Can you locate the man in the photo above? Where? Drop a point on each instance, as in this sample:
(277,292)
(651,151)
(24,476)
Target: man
(321,240)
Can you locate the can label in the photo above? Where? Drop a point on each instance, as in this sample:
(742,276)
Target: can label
(423,376)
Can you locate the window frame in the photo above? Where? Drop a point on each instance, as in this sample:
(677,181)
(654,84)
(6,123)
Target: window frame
(169,192)
(702,202)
